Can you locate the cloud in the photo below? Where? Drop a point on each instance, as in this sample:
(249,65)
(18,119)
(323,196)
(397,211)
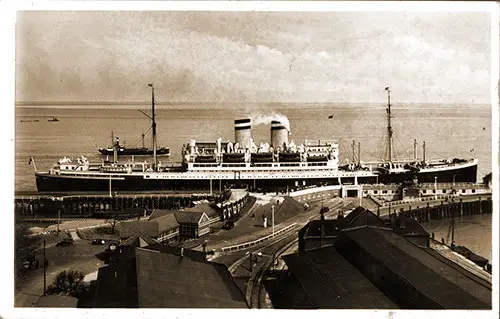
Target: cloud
(251,56)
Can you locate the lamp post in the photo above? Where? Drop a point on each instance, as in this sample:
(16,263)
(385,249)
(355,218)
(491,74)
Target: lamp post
(435,187)
(44,270)
(272,213)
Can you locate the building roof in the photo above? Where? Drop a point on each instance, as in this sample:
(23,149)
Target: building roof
(151,227)
(361,217)
(208,208)
(138,240)
(165,223)
(192,217)
(331,282)
(128,229)
(322,228)
(448,286)
(407,226)
(167,280)
(155,213)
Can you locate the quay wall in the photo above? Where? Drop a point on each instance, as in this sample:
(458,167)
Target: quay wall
(446,208)
(85,206)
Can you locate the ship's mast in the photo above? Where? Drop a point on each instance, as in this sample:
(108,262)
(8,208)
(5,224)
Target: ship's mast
(154,123)
(389,127)
(414,149)
(423,147)
(359,154)
(353,152)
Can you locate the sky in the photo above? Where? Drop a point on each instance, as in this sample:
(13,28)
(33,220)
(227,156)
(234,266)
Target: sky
(426,57)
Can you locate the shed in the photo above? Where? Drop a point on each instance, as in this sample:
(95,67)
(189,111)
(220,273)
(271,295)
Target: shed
(410,275)
(179,278)
(192,224)
(331,282)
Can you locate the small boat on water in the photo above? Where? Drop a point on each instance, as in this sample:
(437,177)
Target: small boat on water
(464,251)
(27,121)
(53,119)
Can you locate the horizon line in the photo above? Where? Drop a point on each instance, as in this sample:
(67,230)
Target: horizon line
(118,103)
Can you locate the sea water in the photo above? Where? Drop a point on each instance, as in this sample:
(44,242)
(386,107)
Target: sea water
(450,131)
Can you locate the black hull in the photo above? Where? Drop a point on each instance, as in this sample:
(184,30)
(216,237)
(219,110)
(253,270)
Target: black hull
(131,151)
(59,183)
(446,175)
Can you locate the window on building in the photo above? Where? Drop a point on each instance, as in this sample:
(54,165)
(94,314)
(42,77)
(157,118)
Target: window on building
(473,190)
(443,191)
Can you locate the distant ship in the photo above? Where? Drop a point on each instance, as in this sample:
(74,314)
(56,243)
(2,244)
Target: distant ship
(53,119)
(280,165)
(127,151)
(30,120)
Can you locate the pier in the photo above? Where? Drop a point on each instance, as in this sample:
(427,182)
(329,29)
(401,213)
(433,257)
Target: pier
(88,205)
(431,209)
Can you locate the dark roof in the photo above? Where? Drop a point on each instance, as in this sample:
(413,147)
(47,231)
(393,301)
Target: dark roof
(130,228)
(441,282)
(331,282)
(138,240)
(55,301)
(184,217)
(165,222)
(408,226)
(176,250)
(171,281)
(208,208)
(361,217)
(152,228)
(323,228)
(155,213)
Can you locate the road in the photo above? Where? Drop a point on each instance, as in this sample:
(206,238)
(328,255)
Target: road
(80,257)
(249,275)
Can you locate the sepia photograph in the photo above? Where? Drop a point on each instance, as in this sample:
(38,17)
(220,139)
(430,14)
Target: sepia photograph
(255,156)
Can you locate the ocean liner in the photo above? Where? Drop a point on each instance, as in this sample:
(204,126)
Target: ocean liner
(280,165)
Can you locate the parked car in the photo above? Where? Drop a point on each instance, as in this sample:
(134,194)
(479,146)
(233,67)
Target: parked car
(31,262)
(65,242)
(228,225)
(99,241)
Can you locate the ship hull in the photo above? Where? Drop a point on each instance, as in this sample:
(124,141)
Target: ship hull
(136,182)
(132,151)
(466,173)
(61,183)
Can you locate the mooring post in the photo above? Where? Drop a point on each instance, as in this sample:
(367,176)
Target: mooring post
(480,206)
(461,207)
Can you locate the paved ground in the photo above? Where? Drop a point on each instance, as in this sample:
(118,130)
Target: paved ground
(80,257)
(250,226)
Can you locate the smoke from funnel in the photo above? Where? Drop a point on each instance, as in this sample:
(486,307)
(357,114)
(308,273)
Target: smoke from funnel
(267,118)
